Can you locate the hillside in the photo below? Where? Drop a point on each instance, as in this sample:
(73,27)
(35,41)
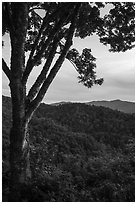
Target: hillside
(79,153)
(124,106)
(99,121)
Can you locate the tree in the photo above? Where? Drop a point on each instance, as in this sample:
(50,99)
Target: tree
(44,38)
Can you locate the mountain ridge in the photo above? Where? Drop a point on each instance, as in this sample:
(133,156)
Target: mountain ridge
(123,106)
(117,104)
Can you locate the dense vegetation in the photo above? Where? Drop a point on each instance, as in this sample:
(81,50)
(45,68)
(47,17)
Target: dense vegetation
(78,153)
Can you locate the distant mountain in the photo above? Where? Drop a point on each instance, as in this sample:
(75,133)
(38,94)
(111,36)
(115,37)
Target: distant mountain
(59,103)
(124,106)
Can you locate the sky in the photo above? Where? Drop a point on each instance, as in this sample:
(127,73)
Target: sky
(117,69)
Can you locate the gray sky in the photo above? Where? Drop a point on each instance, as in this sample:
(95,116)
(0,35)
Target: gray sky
(117,69)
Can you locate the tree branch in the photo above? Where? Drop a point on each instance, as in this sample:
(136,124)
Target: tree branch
(35,103)
(46,20)
(38,15)
(36,86)
(10,20)
(31,63)
(6,69)
(69,61)
(72,63)
(35,8)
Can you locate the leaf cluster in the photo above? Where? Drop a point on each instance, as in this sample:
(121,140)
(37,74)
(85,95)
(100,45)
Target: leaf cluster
(85,65)
(119,27)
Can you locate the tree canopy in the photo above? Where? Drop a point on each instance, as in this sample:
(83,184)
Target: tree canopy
(51,27)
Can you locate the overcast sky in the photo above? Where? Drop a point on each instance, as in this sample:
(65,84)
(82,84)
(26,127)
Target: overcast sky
(117,69)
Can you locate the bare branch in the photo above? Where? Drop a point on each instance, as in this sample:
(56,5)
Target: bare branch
(10,20)
(46,20)
(72,63)
(59,24)
(31,63)
(69,61)
(36,86)
(6,69)
(35,103)
(38,15)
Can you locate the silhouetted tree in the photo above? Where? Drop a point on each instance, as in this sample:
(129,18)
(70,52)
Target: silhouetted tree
(44,38)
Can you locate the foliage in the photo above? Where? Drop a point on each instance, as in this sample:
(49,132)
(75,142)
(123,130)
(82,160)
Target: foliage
(119,27)
(70,164)
(48,30)
(110,127)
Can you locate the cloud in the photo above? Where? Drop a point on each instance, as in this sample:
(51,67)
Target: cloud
(117,69)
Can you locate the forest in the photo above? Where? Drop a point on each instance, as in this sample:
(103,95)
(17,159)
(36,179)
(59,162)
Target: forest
(72,152)
(79,153)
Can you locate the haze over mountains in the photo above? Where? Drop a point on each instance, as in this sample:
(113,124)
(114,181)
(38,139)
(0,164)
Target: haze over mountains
(123,106)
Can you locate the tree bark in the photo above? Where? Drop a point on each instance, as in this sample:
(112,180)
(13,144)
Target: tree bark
(20,173)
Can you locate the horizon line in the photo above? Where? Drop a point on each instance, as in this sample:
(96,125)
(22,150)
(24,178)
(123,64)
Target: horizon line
(65,101)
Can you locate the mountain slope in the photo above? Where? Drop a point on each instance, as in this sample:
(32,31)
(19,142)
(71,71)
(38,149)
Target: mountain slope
(79,153)
(124,106)
(112,127)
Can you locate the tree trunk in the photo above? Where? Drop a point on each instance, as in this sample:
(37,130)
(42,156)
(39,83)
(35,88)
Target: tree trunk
(20,173)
